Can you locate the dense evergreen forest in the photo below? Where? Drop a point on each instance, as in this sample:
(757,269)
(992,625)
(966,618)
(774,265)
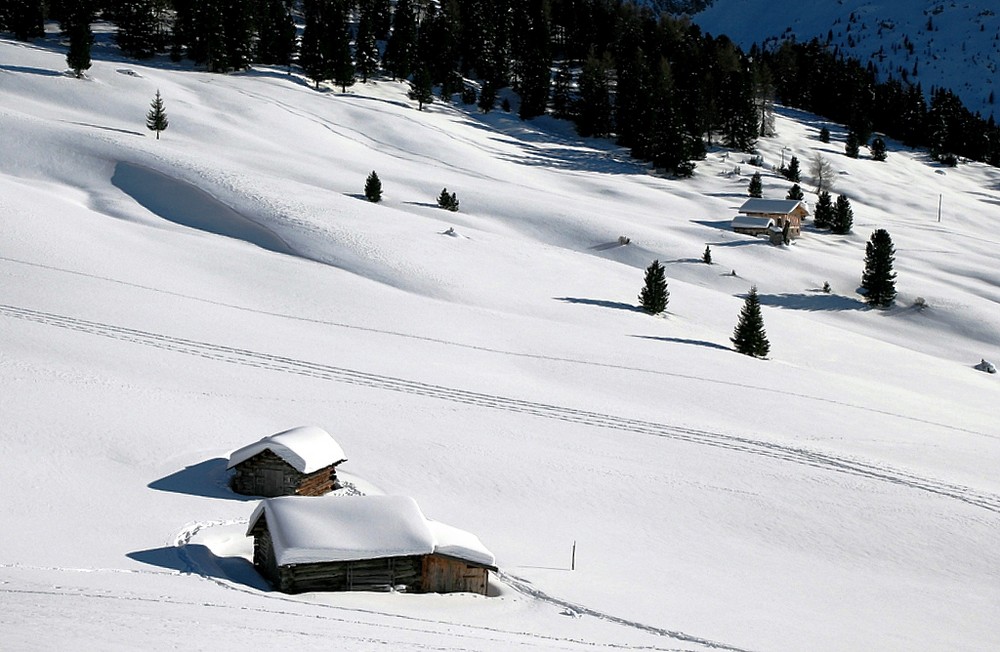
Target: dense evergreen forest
(655,83)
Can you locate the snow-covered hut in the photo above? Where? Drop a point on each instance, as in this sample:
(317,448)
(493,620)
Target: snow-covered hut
(363,543)
(783,212)
(754,226)
(300,461)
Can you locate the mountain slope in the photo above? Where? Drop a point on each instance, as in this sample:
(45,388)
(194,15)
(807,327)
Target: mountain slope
(500,375)
(937,44)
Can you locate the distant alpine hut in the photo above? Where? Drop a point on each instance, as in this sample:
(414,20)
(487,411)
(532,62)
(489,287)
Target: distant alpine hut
(301,461)
(363,543)
(759,216)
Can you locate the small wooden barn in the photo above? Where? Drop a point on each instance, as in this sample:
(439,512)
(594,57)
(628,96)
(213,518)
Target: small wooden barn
(783,212)
(363,543)
(301,461)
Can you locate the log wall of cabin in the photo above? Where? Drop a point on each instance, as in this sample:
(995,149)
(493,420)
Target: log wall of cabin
(251,475)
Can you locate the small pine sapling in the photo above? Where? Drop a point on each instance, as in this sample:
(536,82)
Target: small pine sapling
(156,117)
(373,188)
(707,256)
(826,287)
(792,172)
(852,147)
(824,135)
(823,216)
(795,192)
(756,187)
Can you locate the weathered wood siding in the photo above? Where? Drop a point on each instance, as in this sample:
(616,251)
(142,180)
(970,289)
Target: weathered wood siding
(414,574)
(449,575)
(266,474)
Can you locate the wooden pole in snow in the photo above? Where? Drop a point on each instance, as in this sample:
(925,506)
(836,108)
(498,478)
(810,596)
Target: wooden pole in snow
(939,207)
(572,561)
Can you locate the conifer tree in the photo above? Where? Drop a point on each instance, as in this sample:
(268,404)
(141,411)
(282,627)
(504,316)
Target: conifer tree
(878,149)
(314,52)
(420,88)
(756,187)
(792,172)
(843,216)
(275,33)
(852,147)
(365,47)
(447,201)
(824,135)
(654,295)
(593,108)
(343,63)
(878,279)
(487,97)
(25,19)
(795,192)
(80,37)
(156,118)
(137,27)
(749,337)
(401,50)
(823,215)
(707,256)
(373,188)
(561,97)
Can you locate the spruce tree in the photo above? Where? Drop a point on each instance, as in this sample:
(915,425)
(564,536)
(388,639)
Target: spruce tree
(561,91)
(275,32)
(792,172)
(823,216)
(365,48)
(421,89)
(137,27)
(401,50)
(80,38)
(156,117)
(795,192)
(878,279)
(749,337)
(843,216)
(824,135)
(447,201)
(343,63)
(373,188)
(487,97)
(654,295)
(707,256)
(853,146)
(878,149)
(756,187)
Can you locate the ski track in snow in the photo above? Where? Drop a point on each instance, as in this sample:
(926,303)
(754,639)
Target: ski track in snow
(282,364)
(784,393)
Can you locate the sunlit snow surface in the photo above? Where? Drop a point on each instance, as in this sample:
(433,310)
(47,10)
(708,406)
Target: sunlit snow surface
(842,495)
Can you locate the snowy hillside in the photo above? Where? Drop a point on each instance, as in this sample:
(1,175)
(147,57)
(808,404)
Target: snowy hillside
(952,45)
(841,495)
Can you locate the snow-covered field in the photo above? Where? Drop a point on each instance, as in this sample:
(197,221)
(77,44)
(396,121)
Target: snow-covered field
(842,495)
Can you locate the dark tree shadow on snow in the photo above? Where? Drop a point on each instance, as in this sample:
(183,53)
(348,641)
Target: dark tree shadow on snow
(209,479)
(604,246)
(30,70)
(617,305)
(681,340)
(813,302)
(197,559)
(722,225)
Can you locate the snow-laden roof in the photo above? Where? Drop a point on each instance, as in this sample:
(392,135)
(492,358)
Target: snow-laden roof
(306,448)
(748,222)
(309,529)
(771,206)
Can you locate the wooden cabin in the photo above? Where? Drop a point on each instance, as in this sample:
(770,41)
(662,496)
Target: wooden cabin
(301,461)
(755,226)
(363,543)
(783,212)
